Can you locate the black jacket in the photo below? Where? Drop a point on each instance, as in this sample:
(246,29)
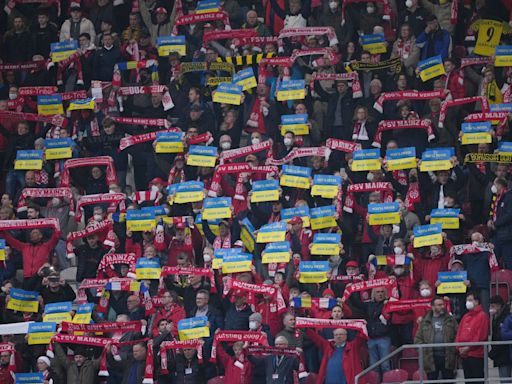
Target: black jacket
(374,325)
(88,260)
(42,38)
(104,61)
(284,370)
(65,293)
(503,221)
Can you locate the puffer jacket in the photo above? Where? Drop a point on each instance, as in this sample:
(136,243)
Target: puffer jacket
(474,326)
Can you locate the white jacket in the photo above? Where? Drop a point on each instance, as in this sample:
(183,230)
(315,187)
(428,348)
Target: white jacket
(86,26)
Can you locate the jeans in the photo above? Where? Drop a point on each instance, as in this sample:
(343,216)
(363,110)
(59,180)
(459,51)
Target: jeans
(473,368)
(13,181)
(378,348)
(505,371)
(439,361)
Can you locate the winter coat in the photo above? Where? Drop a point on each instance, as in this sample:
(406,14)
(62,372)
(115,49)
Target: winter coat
(425,335)
(474,326)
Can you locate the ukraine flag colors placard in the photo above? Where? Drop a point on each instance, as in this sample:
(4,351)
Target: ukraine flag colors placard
(193,328)
(447,217)
(431,68)
(401,158)
(323,217)
(326,186)
(291,90)
(169,142)
(326,244)
(384,213)
(234,263)
(168,44)
(29,160)
(217,208)
(425,235)
(62,50)
(57,312)
(140,220)
(279,252)
(375,43)
(295,177)
(264,190)
(245,79)
(366,160)
(297,124)
(476,133)
(271,233)
(147,269)
(313,271)
(303,212)
(56,149)
(202,156)
(49,105)
(437,159)
(41,333)
(23,301)
(228,94)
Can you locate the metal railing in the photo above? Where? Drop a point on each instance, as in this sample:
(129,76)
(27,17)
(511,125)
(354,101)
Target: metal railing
(422,347)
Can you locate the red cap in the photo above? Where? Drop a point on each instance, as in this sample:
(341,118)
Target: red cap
(180,225)
(161,10)
(156,180)
(296,220)
(329,292)
(352,263)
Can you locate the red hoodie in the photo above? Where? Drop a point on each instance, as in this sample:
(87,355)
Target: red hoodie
(34,256)
(426,268)
(474,326)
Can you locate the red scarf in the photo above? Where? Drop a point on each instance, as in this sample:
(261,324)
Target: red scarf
(166,345)
(355,324)
(218,243)
(389,125)
(381,186)
(465,100)
(111,177)
(413,196)
(234,336)
(387,282)
(466,249)
(108,262)
(408,95)
(256,121)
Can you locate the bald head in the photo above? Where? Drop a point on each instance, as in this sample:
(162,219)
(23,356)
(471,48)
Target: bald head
(281,342)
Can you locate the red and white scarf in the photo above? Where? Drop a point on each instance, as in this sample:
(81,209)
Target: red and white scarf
(342,145)
(413,196)
(142,121)
(23,66)
(405,305)
(56,120)
(91,229)
(107,263)
(127,142)
(227,34)
(387,282)
(166,345)
(106,161)
(28,193)
(465,100)
(237,168)
(114,200)
(10,348)
(465,249)
(237,153)
(408,95)
(310,31)
(355,324)
(234,336)
(204,18)
(110,327)
(380,186)
(219,242)
(296,153)
(11,225)
(256,122)
(501,117)
(351,77)
(389,125)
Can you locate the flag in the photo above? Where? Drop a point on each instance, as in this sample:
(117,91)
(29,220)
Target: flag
(247,234)
(168,44)
(289,213)
(77,105)
(62,50)
(29,160)
(452,282)
(238,262)
(48,105)
(187,192)
(375,43)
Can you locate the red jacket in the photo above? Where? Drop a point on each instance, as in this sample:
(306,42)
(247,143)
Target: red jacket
(455,83)
(174,314)
(351,356)
(241,373)
(34,256)
(186,246)
(426,268)
(5,376)
(270,316)
(474,326)
(406,286)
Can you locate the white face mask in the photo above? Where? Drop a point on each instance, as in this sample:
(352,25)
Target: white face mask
(207,257)
(255,140)
(253,325)
(225,145)
(333,5)
(399,271)
(12,96)
(370,176)
(287,141)
(425,292)
(55,201)
(397,250)
(492,311)
(408,3)
(154,188)
(470,305)
(494,189)
(370,10)
(98,217)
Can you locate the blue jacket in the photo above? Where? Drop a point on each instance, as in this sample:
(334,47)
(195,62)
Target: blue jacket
(503,221)
(506,331)
(435,43)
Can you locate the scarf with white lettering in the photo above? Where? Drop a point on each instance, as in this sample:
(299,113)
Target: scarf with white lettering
(259,338)
(351,77)
(380,186)
(465,100)
(187,344)
(389,125)
(408,95)
(28,193)
(387,282)
(99,161)
(355,324)
(91,229)
(466,249)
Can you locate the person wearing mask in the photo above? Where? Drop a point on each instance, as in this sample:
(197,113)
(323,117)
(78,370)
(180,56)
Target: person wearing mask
(433,40)
(415,16)
(474,326)
(256,325)
(500,222)
(438,326)
(80,370)
(499,311)
(237,313)
(73,27)
(341,358)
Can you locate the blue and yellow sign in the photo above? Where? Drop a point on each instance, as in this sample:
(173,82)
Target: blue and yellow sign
(245,79)
(323,217)
(234,263)
(291,90)
(431,68)
(295,177)
(57,312)
(297,124)
(29,378)
(188,192)
(217,208)
(447,217)
(62,50)
(366,160)
(425,235)
(437,159)
(168,44)
(208,6)
(278,252)
(49,105)
(452,282)
(313,271)
(23,301)
(247,232)
(264,190)
(401,158)
(476,133)
(228,94)
(289,213)
(202,156)
(83,314)
(29,160)
(384,213)
(56,149)
(374,44)
(78,105)
(326,244)
(271,233)
(169,142)
(41,333)
(2,249)
(139,220)
(326,186)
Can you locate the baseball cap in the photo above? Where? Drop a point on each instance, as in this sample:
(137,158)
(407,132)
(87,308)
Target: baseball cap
(296,220)
(352,263)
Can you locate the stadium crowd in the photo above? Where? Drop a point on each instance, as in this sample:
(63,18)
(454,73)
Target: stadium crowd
(243,191)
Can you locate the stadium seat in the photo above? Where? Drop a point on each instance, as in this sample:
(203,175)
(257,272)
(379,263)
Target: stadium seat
(371,377)
(410,365)
(410,353)
(501,284)
(416,375)
(395,376)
